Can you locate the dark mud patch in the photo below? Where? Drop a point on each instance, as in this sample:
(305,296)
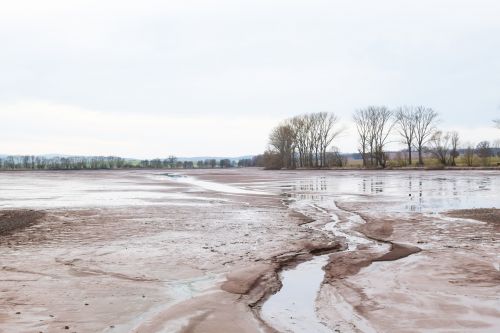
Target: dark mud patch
(347,264)
(301,218)
(16,220)
(488,215)
(379,230)
(398,251)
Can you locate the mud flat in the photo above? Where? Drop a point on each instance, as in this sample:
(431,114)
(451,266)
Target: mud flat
(226,251)
(139,251)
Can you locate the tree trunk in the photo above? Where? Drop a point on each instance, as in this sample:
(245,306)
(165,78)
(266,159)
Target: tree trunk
(409,154)
(420,160)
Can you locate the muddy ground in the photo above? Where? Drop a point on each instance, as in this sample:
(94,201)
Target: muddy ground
(138,251)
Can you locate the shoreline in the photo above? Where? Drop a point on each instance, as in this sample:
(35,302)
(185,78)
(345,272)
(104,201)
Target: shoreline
(187,170)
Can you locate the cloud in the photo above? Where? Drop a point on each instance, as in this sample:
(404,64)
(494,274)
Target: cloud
(241,62)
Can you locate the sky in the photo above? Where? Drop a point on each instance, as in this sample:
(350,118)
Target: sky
(148,79)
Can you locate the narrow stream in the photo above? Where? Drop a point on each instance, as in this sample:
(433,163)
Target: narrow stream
(293,307)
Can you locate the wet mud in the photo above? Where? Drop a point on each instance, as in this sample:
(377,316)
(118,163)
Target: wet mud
(17,220)
(139,251)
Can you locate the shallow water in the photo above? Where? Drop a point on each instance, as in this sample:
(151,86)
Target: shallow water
(91,189)
(213,186)
(419,191)
(292,308)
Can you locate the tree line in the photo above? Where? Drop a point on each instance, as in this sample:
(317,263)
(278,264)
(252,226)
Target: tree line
(31,162)
(302,141)
(307,140)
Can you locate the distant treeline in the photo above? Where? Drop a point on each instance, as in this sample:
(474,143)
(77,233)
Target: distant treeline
(30,162)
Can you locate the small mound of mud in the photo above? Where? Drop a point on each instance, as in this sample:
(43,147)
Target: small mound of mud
(398,251)
(488,215)
(14,220)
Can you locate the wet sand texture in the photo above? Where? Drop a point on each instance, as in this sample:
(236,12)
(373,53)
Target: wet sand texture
(137,251)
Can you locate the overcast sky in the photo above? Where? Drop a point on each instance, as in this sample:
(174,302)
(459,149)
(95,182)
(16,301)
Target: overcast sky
(153,78)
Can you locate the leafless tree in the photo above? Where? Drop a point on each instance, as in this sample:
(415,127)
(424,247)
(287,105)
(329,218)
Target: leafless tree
(496,147)
(282,140)
(363,126)
(313,139)
(300,126)
(305,139)
(484,152)
(328,131)
(425,119)
(383,124)
(468,155)
(374,124)
(406,126)
(272,160)
(455,139)
(440,146)
(335,159)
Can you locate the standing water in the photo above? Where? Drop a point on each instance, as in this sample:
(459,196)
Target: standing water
(293,307)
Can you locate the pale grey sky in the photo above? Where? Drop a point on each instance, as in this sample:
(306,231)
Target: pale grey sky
(152,78)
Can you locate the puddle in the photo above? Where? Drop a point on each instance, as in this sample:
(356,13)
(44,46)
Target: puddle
(293,308)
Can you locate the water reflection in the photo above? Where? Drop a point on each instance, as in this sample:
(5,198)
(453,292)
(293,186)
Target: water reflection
(419,191)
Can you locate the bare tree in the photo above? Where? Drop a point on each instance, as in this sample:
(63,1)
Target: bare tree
(327,132)
(335,159)
(172,161)
(272,160)
(484,152)
(440,146)
(425,119)
(312,135)
(406,125)
(363,126)
(496,147)
(382,126)
(469,155)
(300,128)
(455,139)
(374,124)
(282,140)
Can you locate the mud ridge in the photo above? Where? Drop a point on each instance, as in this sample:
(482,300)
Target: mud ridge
(378,231)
